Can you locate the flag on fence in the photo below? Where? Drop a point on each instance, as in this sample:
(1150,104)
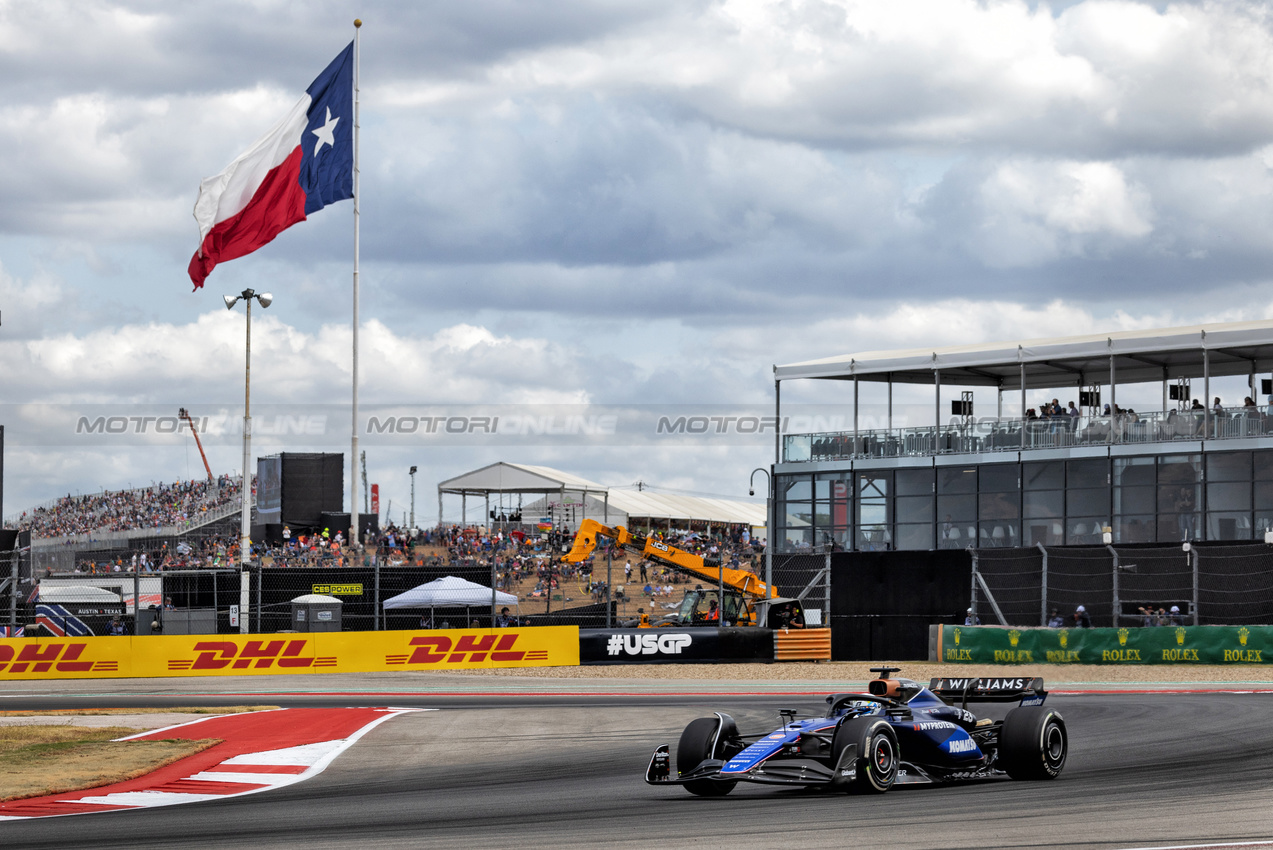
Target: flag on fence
(12,631)
(300,166)
(61,622)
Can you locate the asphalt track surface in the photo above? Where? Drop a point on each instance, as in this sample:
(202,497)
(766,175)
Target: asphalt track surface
(565,770)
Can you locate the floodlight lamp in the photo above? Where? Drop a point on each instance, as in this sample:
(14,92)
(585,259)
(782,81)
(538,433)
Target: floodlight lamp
(751,492)
(230,301)
(265,298)
(412,472)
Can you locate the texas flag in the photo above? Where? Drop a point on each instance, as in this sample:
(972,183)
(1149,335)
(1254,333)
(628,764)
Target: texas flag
(300,166)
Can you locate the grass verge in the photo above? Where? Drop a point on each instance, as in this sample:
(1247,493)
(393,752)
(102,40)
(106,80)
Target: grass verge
(39,760)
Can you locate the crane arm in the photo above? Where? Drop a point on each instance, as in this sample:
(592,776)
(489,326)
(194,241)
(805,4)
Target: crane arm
(647,547)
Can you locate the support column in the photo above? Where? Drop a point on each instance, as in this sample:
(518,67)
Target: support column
(1021,369)
(855,414)
(890,401)
(1206,394)
(1113,388)
(1043,614)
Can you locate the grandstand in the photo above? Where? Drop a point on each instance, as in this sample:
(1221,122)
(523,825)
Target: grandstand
(1189,471)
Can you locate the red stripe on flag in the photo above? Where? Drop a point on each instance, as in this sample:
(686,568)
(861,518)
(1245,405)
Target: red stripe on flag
(277,204)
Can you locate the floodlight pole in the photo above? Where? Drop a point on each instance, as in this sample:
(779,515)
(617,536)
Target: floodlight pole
(769,522)
(245,520)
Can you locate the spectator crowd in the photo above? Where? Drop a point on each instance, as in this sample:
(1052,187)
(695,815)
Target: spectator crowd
(179,504)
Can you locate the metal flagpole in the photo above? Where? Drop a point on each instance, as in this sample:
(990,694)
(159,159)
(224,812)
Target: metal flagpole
(355,528)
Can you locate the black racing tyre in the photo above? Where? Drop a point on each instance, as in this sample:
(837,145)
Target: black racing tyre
(695,746)
(1033,743)
(878,757)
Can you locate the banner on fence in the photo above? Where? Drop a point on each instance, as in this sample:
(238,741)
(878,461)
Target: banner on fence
(1155,645)
(275,654)
(652,646)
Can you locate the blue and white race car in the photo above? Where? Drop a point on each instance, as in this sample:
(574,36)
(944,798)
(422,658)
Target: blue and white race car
(898,733)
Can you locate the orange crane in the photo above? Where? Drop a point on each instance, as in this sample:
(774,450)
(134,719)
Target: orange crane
(742,589)
(185,414)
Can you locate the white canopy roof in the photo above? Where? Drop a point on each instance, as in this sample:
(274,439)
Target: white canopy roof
(505,477)
(448,590)
(519,478)
(1139,356)
(77,593)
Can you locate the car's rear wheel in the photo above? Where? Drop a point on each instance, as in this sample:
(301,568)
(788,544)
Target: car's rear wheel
(1033,743)
(874,769)
(696,745)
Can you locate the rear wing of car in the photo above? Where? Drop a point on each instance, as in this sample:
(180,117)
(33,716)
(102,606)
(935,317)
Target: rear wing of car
(1028,690)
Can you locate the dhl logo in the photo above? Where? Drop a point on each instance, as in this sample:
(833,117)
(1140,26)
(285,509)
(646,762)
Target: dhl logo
(256,654)
(43,657)
(436,649)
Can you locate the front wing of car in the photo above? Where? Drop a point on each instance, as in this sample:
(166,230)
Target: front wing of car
(772,772)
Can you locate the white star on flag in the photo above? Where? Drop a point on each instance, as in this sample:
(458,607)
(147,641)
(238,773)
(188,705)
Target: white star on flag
(326,133)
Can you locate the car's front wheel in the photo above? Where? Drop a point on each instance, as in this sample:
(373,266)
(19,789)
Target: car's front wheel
(873,766)
(696,744)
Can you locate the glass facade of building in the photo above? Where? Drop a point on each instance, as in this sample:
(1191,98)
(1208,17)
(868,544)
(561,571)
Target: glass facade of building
(1142,499)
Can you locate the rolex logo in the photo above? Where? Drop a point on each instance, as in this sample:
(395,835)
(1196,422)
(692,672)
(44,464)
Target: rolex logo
(1014,636)
(1064,636)
(957,637)
(1243,634)
(1122,637)
(1180,636)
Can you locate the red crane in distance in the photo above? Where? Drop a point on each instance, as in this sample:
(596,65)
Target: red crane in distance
(185,414)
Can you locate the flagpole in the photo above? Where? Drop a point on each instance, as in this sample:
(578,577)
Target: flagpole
(355,538)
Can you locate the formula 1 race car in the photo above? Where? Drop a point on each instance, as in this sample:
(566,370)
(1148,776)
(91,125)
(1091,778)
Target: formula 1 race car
(899,733)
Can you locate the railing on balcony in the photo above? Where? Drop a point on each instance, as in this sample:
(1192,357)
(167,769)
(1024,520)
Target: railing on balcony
(999,435)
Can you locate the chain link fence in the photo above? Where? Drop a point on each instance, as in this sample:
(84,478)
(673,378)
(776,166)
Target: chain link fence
(1124,585)
(807,578)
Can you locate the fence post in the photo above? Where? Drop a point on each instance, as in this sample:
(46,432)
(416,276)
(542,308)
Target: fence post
(13,591)
(1117,604)
(826,595)
(260,615)
(1044,591)
(375,615)
(972,599)
(137,596)
(1196,556)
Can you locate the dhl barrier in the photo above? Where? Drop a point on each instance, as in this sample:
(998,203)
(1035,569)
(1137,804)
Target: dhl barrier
(320,652)
(1151,645)
(802,645)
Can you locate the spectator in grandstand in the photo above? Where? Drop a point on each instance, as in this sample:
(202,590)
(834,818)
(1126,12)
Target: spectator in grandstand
(504,621)
(1081,619)
(1174,617)
(971,619)
(116,628)
(1055,620)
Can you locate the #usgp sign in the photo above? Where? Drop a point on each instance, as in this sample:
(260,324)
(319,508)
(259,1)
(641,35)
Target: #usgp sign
(690,645)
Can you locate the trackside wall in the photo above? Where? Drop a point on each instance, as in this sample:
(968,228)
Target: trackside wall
(275,654)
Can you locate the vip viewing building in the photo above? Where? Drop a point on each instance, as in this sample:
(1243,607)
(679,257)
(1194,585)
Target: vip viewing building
(1182,472)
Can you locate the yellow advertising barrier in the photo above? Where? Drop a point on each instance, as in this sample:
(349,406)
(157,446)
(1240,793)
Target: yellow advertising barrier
(320,652)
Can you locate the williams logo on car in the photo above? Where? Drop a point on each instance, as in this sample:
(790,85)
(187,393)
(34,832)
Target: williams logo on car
(648,644)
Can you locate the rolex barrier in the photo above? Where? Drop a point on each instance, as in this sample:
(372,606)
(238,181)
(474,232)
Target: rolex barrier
(1153,645)
(275,654)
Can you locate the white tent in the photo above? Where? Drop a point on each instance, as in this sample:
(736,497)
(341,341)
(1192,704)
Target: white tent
(448,591)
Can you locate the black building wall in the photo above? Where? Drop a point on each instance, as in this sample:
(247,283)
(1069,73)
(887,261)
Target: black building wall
(883,602)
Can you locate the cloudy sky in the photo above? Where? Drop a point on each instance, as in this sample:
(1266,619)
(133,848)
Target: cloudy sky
(578,206)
